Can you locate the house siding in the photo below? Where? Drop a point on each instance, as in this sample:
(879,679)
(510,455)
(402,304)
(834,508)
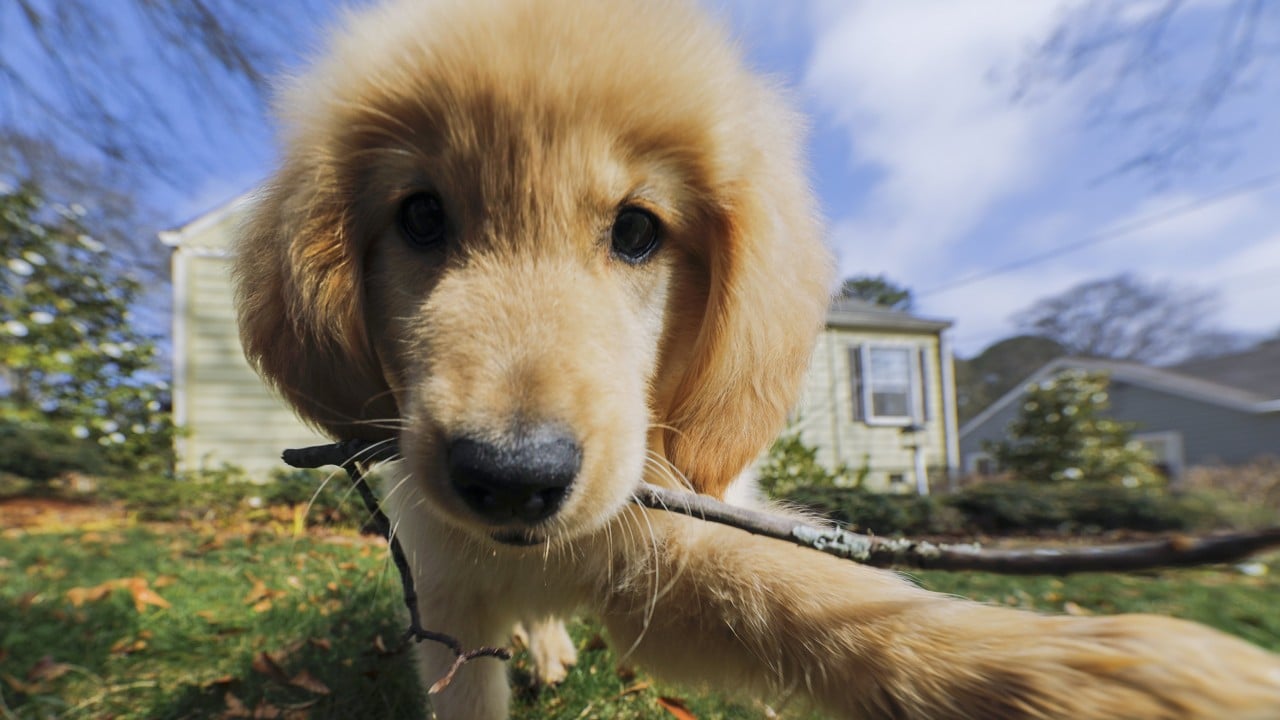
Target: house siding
(228,414)
(1211,434)
(825,417)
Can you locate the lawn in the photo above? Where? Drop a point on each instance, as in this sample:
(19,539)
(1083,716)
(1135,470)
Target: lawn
(118,619)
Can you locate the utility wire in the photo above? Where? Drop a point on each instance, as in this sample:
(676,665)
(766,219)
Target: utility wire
(1120,230)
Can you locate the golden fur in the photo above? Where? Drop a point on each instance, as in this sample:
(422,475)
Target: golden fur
(535,121)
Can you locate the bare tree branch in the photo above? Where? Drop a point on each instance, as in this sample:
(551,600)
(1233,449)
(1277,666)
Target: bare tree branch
(1175,110)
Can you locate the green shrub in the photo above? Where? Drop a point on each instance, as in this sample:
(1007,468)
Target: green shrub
(42,453)
(880,513)
(1022,507)
(227,493)
(1062,435)
(792,465)
(1017,507)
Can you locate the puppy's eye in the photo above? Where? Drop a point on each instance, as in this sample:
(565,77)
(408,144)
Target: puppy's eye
(635,235)
(422,220)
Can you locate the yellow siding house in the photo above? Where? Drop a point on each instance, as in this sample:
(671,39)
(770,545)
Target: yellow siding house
(879,395)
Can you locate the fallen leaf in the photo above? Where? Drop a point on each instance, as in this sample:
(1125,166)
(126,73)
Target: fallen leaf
(215,682)
(265,664)
(676,707)
(144,595)
(45,669)
(633,689)
(1071,608)
(235,707)
(78,596)
(306,681)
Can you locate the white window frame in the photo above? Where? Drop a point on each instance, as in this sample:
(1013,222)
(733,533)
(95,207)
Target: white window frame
(974,459)
(1175,457)
(914,410)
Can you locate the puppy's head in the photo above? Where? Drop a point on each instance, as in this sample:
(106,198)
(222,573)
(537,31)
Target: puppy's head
(543,243)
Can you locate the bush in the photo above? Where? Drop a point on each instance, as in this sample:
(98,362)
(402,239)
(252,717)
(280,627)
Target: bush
(792,465)
(228,494)
(880,513)
(42,453)
(1017,507)
(1061,434)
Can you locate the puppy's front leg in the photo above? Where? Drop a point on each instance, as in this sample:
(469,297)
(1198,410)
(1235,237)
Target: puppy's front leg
(718,606)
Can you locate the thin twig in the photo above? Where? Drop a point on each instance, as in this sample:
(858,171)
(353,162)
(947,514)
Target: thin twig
(1176,551)
(350,455)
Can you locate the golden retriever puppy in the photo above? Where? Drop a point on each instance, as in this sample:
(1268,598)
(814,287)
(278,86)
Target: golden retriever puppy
(557,247)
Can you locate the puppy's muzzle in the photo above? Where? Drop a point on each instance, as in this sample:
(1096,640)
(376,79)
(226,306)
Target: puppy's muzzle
(523,477)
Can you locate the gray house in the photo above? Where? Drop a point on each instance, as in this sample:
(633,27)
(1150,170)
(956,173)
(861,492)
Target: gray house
(1219,411)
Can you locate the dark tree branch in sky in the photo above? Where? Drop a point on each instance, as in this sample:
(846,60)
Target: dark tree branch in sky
(101,103)
(1172,93)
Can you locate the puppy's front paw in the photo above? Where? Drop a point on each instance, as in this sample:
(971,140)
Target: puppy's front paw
(551,648)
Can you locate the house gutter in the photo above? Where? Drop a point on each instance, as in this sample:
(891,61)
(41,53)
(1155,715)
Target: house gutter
(946,361)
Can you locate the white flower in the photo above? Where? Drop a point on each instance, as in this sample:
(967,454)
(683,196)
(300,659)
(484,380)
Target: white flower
(1252,569)
(41,317)
(16,328)
(1072,473)
(21,267)
(34,258)
(137,428)
(111,350)
(1129,481)
(153,406)
(255,502)
(91,244)
(116,437)
(1031,406)
(1069,410)
(110,426)
(63,357)
(80,431)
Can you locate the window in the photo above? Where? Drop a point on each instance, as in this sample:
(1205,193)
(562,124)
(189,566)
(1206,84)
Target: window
(1166,450)
(887,384)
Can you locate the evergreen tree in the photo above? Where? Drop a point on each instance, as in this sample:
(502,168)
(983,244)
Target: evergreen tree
(74,367)
(1062,434)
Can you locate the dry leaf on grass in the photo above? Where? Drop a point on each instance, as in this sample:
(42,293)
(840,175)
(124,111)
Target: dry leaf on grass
(138,588)
(676,707)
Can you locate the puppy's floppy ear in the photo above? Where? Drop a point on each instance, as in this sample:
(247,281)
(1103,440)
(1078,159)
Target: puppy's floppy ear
(299,297)
(768,278)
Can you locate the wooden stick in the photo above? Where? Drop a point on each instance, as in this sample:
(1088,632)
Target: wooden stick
(1175,551)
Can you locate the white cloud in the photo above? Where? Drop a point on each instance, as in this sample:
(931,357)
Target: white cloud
(923,90)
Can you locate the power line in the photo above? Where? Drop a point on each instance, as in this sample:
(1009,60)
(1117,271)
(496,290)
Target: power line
(1113,232)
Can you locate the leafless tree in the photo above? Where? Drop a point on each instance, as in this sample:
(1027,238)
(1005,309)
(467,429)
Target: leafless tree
(102,101)
(1171,96)
(1123,317)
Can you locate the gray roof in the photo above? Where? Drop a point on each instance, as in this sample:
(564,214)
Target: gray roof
(1256,370)
(1165,380)
(854,313)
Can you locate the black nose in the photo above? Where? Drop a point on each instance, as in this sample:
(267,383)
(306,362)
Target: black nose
(525,477)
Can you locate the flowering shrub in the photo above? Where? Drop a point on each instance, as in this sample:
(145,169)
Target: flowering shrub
(71,361)
(1062,434)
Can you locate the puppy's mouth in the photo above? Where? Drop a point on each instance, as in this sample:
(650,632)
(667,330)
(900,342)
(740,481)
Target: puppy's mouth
(518,538)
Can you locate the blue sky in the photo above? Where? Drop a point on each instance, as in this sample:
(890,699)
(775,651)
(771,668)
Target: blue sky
(933,169)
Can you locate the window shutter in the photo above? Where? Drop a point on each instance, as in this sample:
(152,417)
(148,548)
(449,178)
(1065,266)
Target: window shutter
(926,397)
(855,381)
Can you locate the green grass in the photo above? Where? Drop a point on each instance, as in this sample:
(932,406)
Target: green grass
(320,605)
